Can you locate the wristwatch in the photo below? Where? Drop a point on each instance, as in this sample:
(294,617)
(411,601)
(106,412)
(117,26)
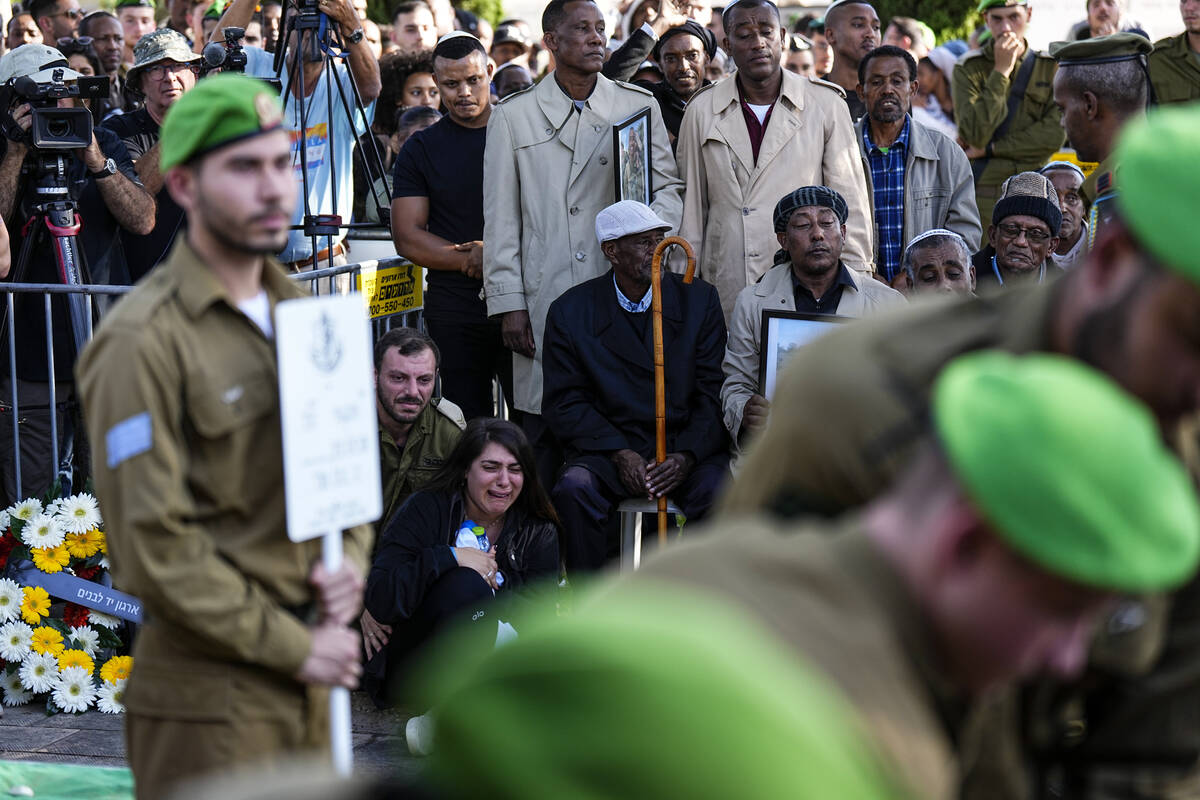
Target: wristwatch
(110,169)
(355,37)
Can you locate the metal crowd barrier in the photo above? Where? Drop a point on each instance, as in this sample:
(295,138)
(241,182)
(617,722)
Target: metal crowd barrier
(343,279)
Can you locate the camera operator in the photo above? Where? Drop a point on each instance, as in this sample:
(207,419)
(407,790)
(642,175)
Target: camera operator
(102,182)
(325,138)
(164,68)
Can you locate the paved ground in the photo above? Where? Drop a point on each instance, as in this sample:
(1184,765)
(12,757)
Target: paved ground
(27,734)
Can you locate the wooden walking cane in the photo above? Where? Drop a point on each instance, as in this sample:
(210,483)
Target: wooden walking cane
(660,380)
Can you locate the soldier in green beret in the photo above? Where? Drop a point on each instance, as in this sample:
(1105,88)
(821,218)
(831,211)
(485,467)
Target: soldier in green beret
(244,629)
(137,19)
(989,560)
(1175,62)
(1130,308)
(1006,116)
(1101,84)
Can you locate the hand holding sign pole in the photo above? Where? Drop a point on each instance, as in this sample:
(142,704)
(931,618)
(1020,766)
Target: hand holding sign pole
(330,440)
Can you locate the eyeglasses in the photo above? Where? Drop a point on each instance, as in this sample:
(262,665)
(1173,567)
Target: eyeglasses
(159,71)
(73,13)
(1032,235)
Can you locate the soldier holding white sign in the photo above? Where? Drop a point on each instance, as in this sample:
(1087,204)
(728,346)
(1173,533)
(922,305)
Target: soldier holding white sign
(244,628)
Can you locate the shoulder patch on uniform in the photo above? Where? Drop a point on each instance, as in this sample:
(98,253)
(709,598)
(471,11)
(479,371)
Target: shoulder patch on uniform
(635,87)
(828,85)
(451,412)
(128,438)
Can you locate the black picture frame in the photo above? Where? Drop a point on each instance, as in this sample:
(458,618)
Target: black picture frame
(792,329)
(631,170)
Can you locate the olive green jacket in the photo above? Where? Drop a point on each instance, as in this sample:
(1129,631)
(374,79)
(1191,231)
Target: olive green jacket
(1174,71)
(433,435)
(826,591)
(981,105)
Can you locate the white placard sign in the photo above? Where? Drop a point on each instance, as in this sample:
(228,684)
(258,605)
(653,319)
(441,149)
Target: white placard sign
(327,405)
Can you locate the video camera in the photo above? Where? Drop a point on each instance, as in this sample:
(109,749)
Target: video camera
(227,57)
(53,128)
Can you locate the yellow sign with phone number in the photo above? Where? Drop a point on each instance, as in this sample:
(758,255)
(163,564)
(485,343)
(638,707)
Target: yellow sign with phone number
(391,290)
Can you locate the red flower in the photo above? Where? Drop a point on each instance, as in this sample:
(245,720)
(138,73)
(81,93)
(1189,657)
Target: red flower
(7,543)
(75,615)
(87,573)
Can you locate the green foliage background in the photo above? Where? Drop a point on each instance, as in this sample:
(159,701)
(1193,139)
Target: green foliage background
(491,10)
(950,19)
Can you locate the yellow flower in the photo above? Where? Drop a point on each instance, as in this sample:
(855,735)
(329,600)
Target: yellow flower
(35,605)
(77,545)
(51,559)
(47,640)
(75,658)
(117,668)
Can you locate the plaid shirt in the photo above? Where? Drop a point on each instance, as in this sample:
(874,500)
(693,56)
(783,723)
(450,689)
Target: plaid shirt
(887,179)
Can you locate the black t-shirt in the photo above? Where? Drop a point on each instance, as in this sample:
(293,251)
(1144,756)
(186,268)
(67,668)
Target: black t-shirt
(444,163)
(139,132)
(101,248)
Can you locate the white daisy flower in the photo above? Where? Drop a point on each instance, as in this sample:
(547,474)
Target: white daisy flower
(111,698)
(104,563)
(52,508)
(79,513)
(26,509)
(89,640)
(10,599)
(14,641)
(39,672)
(74,691)
(105,620)
(43,531)
(5,519)
(14,693)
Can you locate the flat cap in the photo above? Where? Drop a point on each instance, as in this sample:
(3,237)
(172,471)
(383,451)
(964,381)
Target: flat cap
(809,196)
(219,111)
(625,218)
(1101,49)
(1158,159)
(1069,470)
(989,4)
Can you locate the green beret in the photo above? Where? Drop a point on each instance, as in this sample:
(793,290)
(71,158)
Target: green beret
(1156,158)
(135,4)
(1069,470)
(645,692)
(988,4)
(1102,49)
(215,10)
(220,110)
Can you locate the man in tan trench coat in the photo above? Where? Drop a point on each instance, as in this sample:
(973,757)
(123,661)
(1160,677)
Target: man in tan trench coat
(548,171)
(736,166)
(244,628)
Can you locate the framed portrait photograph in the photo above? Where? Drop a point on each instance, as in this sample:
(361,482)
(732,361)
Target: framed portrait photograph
(631,157)
(783,333)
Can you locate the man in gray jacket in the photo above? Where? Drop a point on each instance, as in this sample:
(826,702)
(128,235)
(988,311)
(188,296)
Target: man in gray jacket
(919,178)
(808,276)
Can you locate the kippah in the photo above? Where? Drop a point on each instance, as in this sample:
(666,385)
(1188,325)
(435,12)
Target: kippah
(809,196)
(219,111)
(1067,165)
(1157,157)
(916,240)
(1069,470)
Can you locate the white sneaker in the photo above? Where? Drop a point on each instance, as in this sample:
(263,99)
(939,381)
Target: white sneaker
(505,633)
(418,734)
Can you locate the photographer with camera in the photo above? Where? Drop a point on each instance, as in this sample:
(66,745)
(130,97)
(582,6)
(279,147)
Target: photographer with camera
(164,68)
(96,191)
(328,140)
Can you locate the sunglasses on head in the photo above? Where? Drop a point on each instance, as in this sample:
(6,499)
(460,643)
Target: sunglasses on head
(71,45)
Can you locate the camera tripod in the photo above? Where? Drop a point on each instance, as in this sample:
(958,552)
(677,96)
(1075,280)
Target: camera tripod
(324,43)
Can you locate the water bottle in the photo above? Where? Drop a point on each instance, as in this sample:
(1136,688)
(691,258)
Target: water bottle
(471,534)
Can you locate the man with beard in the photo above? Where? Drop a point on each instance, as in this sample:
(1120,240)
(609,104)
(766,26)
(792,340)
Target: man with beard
(919,179)
(416,430)
(1073,233)
(1100,85)
(852,29)
(683,52)
(180,394)
(599,389)
(1129,308)
(164,69)
(809,276)
(1024,232)
(1175,62)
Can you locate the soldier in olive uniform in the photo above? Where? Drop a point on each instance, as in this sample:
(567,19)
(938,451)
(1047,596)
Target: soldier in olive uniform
(947,585)
(1129,308)
(1003,105)
(1100,85)
(244,630)
(416,430)
(1175,62)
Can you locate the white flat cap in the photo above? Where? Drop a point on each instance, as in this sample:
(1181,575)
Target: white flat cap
(625,218)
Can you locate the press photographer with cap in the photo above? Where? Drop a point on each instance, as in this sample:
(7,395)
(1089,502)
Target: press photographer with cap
(164,69)
(109,197)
